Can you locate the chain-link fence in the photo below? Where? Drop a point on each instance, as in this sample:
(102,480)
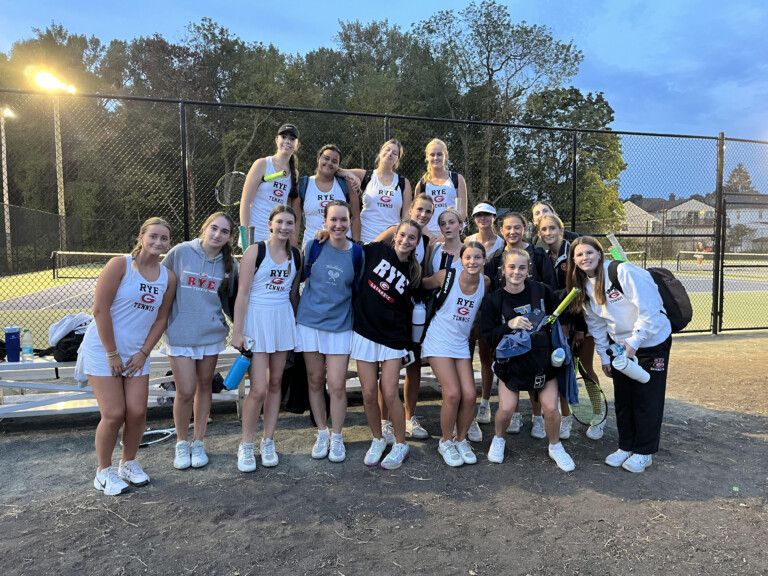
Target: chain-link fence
(82,172)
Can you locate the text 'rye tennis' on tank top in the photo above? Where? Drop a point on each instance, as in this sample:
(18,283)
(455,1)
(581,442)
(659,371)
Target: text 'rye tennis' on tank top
(267,196)
(444,196)
(381,207)
(315,201)
(272,282)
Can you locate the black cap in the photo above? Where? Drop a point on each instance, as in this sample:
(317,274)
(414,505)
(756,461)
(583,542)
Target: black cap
(288,129)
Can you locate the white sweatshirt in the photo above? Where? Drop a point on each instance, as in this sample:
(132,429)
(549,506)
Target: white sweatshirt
(636,316)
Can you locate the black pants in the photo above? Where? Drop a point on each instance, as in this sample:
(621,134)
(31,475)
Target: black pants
(640,407)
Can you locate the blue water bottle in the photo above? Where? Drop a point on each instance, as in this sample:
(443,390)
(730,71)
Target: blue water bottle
(13,343)
(239,367)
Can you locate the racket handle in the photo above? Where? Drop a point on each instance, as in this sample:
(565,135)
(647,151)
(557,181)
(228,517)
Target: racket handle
(246,236)
(275,176)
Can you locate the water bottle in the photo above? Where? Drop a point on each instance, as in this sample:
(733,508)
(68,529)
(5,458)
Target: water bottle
(630,368)
(27,347)
(418,319)
(558,357)
(238,370)
(12,346)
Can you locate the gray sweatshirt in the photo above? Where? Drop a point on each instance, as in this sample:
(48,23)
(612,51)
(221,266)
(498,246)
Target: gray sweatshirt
(196,317)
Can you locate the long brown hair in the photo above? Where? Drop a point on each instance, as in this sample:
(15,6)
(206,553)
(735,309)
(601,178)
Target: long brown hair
(414,268)
(226,250)
(151,222)
(279,209)
(575,277)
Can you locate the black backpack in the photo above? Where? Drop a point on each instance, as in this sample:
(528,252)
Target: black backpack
(437,298)
(677,304)
(66,348)
(422,184)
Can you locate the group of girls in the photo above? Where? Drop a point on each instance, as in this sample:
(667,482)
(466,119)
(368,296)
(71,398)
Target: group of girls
(356,302)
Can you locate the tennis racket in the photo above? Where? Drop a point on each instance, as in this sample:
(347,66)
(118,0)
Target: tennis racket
(560,309)
(229,188)
(592,407)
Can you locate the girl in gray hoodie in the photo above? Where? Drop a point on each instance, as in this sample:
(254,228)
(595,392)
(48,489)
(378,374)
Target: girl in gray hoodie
(197,329)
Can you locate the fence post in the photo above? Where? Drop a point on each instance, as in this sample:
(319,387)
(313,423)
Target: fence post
(574,173)
(717,268)
(185,190)
(387,136)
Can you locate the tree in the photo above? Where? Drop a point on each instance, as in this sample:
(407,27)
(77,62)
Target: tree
(496,63)
(542,161)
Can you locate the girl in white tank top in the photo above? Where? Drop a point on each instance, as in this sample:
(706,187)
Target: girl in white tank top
(446,345)
(439,185)
(132,301)
(259,198)
(383,203)
(267,297)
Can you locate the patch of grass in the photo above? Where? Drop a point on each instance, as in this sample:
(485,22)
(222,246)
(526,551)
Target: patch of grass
(25,284)
(740,310)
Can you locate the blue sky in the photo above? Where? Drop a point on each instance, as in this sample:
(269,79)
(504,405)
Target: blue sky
(679,66)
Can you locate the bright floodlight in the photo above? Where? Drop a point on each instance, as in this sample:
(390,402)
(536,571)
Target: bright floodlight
(8,113)
(50,82)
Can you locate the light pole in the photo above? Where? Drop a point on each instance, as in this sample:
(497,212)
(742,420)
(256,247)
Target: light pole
(50,82)
(6,113)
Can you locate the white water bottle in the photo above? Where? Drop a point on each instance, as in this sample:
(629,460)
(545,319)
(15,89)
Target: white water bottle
(418,319)
(630,368)
(558,357)
(27,347)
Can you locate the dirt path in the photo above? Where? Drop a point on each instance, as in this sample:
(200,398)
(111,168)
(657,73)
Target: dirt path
(700,509)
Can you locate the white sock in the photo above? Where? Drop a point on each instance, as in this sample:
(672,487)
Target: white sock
(486,403)
(553,446)
(335,436)
(323,432)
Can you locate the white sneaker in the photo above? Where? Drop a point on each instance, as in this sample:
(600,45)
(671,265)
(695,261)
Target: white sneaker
(637,462)
(414,429)
(199,457)
(596,432)
(538,430)
(516,424)
(268,455)
(566,422)
(483,414)
(561,457)
(373,456)
(322,444)
(109,482)
(466,452)
(387,433)
(396,456)
(182,459)
(496,451)
(617,458)
(246,461)
(449,453)
(132,473)
(337,453)
(474,433)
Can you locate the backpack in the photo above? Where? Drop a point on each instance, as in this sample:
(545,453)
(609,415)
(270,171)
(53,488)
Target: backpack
(524,356)
(262,252)
(677,304)
(66,348)
(357,261)
(304,182)
(422,185)
(437,298)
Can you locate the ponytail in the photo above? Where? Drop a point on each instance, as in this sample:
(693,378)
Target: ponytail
(293,166)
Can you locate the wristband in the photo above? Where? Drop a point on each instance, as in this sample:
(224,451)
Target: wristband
(142,351)
(113,354)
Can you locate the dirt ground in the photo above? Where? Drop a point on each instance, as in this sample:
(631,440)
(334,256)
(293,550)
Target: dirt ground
(701,508)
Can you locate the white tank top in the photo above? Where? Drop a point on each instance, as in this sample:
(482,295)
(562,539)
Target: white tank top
(267,196)
(444,196)
(453,322)
(381,208)
(133,310)
(314,206)
(496,245)
(272,283)
(437,255)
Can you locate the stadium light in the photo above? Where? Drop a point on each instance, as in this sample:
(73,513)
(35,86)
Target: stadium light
(48,81)
(6,113)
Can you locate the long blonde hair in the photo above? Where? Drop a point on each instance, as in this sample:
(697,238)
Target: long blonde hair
(400,152)
(155,221)
(575,277)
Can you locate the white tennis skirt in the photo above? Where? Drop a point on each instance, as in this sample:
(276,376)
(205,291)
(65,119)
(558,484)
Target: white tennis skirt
(193,352)
(315,340)
(435,347)
(273,329)
(368,351)
(92,361)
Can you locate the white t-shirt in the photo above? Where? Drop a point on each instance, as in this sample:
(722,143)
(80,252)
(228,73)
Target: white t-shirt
(381,207)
